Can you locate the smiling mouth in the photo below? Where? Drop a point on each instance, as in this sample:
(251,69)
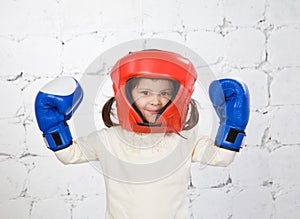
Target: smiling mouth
(153,111)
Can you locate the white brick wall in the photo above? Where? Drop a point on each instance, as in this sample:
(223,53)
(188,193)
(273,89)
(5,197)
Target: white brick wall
(256,41)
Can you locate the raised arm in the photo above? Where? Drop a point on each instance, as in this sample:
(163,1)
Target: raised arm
(55,104)
(230,99)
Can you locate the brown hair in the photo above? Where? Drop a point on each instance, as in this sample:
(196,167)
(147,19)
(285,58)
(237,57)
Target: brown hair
(189,124)
(107,112)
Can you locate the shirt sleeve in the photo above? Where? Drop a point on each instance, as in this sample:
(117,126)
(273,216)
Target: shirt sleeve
(81,150)
(207,152)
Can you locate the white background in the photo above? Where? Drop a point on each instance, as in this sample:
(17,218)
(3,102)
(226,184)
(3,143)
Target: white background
(255,40)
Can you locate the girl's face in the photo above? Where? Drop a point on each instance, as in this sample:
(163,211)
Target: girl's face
(151,95)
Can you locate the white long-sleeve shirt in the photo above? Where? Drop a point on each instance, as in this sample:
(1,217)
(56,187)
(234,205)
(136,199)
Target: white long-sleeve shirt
(146,175)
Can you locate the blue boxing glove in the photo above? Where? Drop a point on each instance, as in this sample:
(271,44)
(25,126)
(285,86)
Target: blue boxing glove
(231,101)
(54,105)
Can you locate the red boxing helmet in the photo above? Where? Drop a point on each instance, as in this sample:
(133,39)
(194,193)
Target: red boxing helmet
(154,64)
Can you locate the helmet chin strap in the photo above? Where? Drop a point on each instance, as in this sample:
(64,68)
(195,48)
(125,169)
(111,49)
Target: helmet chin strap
(145,122)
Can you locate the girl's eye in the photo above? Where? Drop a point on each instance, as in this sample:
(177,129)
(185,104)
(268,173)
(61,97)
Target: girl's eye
(165,94)
(145,92)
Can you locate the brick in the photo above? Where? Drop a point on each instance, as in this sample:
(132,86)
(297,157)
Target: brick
(285,87)
(283,163)
(51,208)
(257,82)
(40,56)
(85,179)
(244,13)
(92,207)
(58,179)
(156,18)
(16,208)
(79,52)
(8,54)
(12,136)
(284,125)
(283,47)
(245,47)
(12,179)
(257,131)
(286,204)
(15,100)
(48,178)
(127,16)
(220,200)
(204,176)
(283,12)
(8,11)
(208,45)
(172,36)
(25,18)
(258,203)
(116,39)
(201,14)
(243,170)
(76,17)
(34,140)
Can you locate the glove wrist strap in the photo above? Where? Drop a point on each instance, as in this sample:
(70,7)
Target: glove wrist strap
(58,137)
(230,137)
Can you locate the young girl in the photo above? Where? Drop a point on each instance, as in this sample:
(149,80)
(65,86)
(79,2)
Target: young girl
(146,155)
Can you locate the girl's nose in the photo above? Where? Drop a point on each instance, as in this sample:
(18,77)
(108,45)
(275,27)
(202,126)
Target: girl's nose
(156,99)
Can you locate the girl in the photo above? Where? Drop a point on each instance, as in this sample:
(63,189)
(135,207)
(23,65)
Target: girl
(146,155)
